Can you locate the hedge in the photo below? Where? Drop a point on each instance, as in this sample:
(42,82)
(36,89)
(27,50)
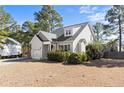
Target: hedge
(57,56)
(67,57)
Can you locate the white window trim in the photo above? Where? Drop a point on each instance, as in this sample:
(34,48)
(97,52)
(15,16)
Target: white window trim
(68,32)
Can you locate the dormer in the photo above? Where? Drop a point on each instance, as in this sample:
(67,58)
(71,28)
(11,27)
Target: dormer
(70,31)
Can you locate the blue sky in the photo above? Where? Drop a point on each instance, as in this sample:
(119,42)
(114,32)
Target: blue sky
(71,13)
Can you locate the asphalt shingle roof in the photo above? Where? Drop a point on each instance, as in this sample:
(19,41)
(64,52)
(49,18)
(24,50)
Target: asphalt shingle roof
(41,37)
(60,33)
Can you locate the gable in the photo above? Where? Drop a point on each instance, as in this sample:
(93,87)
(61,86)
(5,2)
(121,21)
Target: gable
(91,29)
(45,36)
(71,38)
(35,39)
(86,34)
(41,37)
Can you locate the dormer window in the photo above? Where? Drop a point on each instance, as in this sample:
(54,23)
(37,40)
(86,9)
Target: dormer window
(68,32)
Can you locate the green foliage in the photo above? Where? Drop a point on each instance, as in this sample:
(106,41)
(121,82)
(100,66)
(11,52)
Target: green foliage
(6,21)
(66,55)
(48,18)
(84,57)
(75,58)
(57,56)
(94,51)
(112,45)
(29,26)
(6,24)
(29,30)
(115,16)
(102,31)
(89,51)
(98,28)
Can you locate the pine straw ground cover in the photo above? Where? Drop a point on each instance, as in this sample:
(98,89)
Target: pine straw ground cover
(43,74)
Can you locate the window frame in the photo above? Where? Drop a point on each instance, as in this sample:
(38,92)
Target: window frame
(65,47)
(68,32)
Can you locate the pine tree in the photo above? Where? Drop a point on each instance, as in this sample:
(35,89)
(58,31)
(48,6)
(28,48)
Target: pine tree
(48,18)
(116,17)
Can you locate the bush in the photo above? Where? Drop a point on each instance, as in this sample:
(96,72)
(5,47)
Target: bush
(84,57)
(74,58)
(66,55)
(94,51)
(89,51)
(57,56)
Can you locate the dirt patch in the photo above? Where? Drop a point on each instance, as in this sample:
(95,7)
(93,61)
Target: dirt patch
(38,74)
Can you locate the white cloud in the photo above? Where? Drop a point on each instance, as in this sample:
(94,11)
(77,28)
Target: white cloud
(97,17)
(94,8)
(87,9)
(94,13)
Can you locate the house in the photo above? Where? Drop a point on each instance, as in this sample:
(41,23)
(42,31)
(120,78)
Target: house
(72,38)
(10,47)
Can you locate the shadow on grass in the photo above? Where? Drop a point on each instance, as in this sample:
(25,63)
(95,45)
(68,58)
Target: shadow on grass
(109,63)
(17,60)
(47,61)
(26,60)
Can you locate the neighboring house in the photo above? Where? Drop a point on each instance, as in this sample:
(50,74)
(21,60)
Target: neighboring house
(10,47)
(72,38)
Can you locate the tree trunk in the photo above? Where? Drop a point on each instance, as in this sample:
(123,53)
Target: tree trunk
(119,33)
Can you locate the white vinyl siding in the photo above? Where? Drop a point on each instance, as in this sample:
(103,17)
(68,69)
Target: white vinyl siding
(75,29)
(85,34)
(36,48)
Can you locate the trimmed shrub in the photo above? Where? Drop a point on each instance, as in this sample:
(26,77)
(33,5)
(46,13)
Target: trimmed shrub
(94,51)
(74,58)
(57,56)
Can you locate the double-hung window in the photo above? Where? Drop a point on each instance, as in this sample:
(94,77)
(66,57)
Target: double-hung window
(64,47)
(68,32)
